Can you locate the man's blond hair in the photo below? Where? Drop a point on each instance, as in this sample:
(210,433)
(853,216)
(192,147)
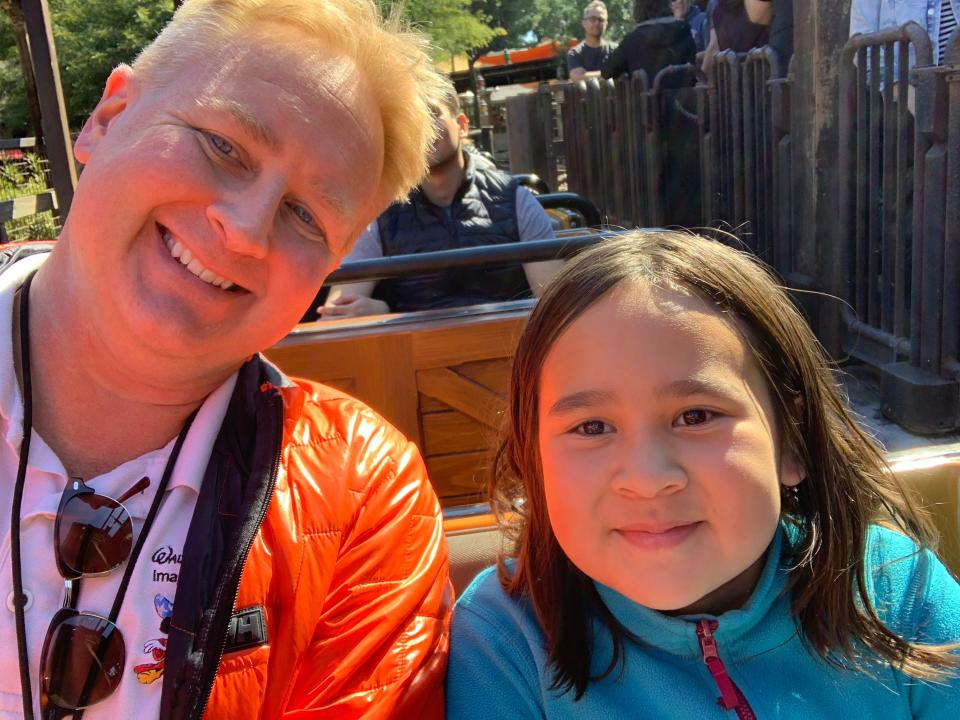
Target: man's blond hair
(392,59)
(595,5)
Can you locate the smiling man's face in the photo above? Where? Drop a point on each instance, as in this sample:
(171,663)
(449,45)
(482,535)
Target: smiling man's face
(211,209)
(594,23)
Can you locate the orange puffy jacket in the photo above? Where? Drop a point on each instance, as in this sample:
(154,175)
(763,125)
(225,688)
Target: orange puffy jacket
(314,576)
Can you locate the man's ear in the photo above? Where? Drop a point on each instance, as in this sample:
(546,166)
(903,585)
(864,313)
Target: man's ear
(464,123)
(119,92)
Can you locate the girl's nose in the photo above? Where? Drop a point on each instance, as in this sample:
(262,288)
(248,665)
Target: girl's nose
(246,216)
(648,470)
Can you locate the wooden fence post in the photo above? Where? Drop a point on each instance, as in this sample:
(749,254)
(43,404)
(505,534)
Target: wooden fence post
(53,112)
(821,28)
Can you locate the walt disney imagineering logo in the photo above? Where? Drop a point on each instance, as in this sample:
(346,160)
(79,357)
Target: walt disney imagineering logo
(166,564)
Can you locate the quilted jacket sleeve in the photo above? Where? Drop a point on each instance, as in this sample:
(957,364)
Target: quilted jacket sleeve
(380,647)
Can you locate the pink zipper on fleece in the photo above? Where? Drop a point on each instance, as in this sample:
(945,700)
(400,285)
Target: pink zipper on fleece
(730,696)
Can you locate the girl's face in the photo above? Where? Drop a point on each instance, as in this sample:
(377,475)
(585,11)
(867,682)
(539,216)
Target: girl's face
(658,440)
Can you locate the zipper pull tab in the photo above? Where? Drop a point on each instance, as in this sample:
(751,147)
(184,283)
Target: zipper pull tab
(708,647)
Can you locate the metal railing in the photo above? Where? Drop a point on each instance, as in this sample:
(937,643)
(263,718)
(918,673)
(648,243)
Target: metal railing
(681,149)
(765,194)
(28,204)
(894,258)
(935,296)
(722,141)
(877,157)
(485,255)
(747,153)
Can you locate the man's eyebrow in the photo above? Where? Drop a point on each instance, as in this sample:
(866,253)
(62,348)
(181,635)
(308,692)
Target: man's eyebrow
(580,401)
(252,127)
(247,121)
(329,195)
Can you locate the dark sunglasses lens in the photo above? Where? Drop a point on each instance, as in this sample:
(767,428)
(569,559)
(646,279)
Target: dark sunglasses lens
(83,659)
(95,534)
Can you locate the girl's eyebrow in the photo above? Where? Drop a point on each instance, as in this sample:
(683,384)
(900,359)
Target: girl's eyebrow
(580,401)
(694,386)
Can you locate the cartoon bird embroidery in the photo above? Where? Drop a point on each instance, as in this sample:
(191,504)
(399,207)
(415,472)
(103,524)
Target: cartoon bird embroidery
(157,647)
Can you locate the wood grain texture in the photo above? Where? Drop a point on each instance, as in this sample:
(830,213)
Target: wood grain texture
(441,380)
(460,393)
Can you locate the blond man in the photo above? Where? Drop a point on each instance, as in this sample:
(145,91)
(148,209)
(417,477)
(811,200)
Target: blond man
(587,57)
(249,546)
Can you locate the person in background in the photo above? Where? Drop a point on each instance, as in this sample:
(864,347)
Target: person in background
(587,57)
(463,202)
(248,545)
(731,29)
(938,17)
(698,20)
(657,40)
(778,14)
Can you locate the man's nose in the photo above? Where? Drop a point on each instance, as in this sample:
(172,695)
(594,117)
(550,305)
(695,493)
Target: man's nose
(246,215)
(648,469)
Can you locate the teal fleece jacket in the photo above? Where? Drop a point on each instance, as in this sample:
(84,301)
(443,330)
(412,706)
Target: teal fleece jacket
(498,665)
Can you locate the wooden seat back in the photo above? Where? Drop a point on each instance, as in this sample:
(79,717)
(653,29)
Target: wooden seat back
(440,377)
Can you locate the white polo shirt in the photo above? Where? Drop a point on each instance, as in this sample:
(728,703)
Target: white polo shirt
(151,593)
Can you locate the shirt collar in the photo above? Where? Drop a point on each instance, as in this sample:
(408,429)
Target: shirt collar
(198,445)
(11,402)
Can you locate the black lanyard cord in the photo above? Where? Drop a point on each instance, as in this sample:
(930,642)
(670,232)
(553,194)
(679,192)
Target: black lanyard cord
(19,598)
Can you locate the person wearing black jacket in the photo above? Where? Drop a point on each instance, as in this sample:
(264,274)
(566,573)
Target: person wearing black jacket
(778,14)
(658,40)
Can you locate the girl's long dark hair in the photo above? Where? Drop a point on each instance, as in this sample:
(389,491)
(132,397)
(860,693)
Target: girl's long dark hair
(846,487)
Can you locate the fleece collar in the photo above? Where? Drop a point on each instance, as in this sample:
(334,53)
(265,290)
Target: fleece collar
(756,627)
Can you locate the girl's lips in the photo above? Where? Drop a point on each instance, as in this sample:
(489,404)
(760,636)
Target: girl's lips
(658,539)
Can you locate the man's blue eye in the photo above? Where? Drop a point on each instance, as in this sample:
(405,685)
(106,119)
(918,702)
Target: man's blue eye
(303,214)
(224,146)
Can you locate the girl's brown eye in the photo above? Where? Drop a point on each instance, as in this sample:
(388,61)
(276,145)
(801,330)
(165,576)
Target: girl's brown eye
(591,427)
(694,417)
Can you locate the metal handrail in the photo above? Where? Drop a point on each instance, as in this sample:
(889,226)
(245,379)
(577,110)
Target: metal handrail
(572,201)
(517,252)
(533,182)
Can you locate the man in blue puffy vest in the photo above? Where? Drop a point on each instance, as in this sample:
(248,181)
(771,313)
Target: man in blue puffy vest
(464,202)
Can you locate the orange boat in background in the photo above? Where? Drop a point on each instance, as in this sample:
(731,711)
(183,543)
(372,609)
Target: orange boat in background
(546,50)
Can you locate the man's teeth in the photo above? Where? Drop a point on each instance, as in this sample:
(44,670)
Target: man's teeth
(187,259)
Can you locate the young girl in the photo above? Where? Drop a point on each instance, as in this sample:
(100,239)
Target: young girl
(693,508)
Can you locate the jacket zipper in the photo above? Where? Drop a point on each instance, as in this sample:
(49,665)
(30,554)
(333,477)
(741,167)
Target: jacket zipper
(730,696)
(202,708)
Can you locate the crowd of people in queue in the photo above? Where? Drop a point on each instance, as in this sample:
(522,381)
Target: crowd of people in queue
(664,27)
(692,503)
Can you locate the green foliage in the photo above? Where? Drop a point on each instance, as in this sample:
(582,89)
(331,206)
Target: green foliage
(22,177)
(452,25)
(42,226)
(92,37)
(514,18)
(13,104)
(26,177)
